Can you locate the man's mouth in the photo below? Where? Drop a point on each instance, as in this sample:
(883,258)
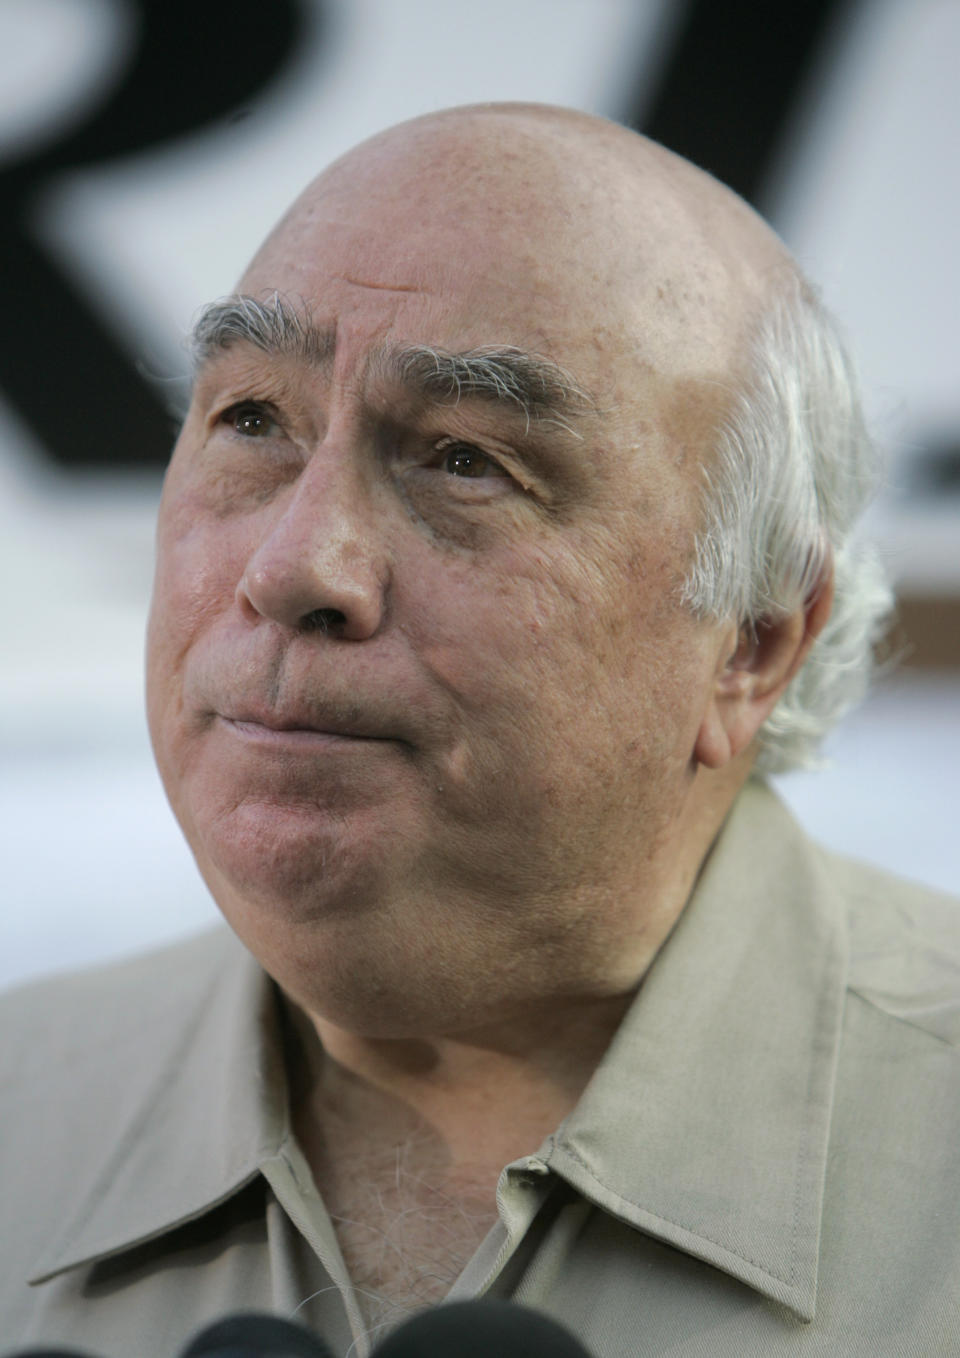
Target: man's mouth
(312,728)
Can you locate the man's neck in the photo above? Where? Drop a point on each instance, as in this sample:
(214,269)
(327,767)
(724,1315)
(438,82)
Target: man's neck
(475,1100)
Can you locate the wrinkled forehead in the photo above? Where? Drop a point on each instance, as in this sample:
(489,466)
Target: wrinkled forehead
(476,232)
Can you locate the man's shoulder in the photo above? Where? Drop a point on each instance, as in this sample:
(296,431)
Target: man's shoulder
(902,938)
(99,1070)
(88,1014)
(904,946)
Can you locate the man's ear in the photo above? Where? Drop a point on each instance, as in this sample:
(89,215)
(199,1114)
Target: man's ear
(755,667)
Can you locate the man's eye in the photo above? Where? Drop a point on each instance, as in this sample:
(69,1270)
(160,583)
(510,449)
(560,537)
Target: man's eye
(250,419)
(460,459)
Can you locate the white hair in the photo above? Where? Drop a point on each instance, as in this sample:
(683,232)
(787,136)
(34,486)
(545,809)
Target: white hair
(793,468)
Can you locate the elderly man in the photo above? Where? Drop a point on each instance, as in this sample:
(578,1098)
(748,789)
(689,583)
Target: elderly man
(514,493)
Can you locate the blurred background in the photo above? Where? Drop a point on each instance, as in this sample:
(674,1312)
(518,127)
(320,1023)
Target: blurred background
(145,148)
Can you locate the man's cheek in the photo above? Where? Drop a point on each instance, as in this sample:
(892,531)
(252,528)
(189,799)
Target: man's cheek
(199,567)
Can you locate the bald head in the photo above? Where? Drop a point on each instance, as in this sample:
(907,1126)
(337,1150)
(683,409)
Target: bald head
(654,255)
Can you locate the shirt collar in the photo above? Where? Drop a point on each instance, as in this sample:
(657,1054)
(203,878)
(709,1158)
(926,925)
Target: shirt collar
(219,1090)
(706,1124)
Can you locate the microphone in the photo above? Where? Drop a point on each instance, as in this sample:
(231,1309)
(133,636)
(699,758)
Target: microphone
(483,1328)
(256,1335)
(251,1335)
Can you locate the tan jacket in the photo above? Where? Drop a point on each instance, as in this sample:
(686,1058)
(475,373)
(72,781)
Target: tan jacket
(766,1162)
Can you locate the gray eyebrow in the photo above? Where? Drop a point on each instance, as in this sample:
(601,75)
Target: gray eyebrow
(541,390)
(275,326)
(536,386)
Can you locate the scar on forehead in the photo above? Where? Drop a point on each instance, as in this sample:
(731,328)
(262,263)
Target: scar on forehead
(380,287)
(518,381)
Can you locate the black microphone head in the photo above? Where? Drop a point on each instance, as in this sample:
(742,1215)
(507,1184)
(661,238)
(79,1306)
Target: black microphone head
(49,1353)
(256,1335)
(484,1328)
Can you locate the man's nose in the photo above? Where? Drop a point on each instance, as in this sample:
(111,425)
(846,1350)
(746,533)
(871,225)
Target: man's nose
(322,564)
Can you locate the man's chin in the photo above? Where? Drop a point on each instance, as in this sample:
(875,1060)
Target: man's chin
(297,862)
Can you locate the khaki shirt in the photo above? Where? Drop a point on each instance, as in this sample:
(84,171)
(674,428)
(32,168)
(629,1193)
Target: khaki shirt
(766,1162)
